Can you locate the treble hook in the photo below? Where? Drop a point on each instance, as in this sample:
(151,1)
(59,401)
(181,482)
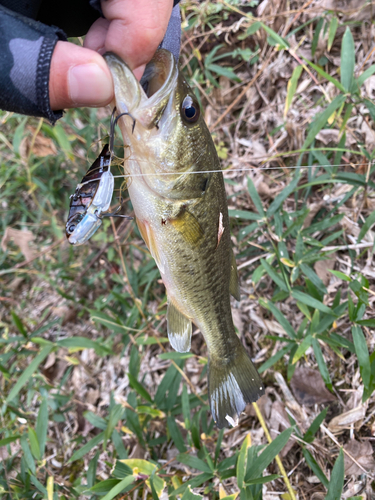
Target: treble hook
(112,131)
(114,121)
(116,214)
(128,114)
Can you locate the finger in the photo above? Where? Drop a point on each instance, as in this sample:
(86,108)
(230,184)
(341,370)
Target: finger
(95,37)
(78,77)
(95,40)
(137,28)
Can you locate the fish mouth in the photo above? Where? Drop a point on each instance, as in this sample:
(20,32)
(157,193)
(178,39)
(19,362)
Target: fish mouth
(144,101)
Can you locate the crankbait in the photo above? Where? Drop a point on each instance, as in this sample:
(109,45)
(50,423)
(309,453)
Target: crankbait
(92,198)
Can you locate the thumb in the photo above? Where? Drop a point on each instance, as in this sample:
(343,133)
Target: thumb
(78,77)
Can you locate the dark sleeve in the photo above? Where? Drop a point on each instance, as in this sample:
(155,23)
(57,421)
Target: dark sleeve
(25,58)
(172,38)
(26,52)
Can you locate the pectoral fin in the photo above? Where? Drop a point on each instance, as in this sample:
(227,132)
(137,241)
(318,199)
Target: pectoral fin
(234,286)
(188,226)
(179,329)
(149,238)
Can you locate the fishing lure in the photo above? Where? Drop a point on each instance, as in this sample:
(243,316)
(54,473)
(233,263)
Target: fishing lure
(92,198)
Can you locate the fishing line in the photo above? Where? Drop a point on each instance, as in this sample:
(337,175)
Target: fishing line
(244,169)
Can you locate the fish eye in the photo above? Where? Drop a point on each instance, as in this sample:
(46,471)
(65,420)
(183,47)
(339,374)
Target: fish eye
(190,109)
(71,228)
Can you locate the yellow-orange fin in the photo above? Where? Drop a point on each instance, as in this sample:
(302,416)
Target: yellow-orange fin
(188,226)
(179,329)
(149,238)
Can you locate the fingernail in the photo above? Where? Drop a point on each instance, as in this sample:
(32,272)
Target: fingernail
(89,85)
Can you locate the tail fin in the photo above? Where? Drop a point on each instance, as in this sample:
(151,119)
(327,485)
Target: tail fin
(232,383)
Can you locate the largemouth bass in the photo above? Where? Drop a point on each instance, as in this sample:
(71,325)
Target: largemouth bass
(181,210)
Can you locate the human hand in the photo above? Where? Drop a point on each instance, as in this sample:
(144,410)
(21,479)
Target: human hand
(133,29)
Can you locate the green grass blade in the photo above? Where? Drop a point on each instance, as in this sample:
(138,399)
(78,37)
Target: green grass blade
(87,447)
(367,322)
(337,479)
(28,372)
(314,466)
(10,439)
(302,348)
(34,445)
(275,358)
(365,75)
(117,412)
(63,140)
(18,322)
(242,459)
(277,38)
(292,87)
(42,426)
(325,75)
(27,454)
(268,454)
(223,71)
(116,490)
(263,480)
(324,372)
(103,487)
(281,319)
(314,43)
(190,495)
(175,355)
(139,388)
(176,434)
(277,202)
(340,275)
(194,462)
(332,32)
(83,343)
(91,472)
(347,60)
(255,197)
(366,226)
(362,353)
(313,277)
(194,483)
(314,427)
(276,277)
(244,214)
(311,302)
(321,119)
(185,406)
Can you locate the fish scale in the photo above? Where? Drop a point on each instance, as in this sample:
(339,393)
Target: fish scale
(185,224)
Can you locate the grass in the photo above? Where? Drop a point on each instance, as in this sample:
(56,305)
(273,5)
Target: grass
(93,401)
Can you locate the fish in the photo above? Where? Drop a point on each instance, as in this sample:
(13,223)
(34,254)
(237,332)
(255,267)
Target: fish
(179,200)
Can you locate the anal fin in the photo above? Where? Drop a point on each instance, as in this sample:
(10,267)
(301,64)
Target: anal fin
(234,286)
(179,329)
